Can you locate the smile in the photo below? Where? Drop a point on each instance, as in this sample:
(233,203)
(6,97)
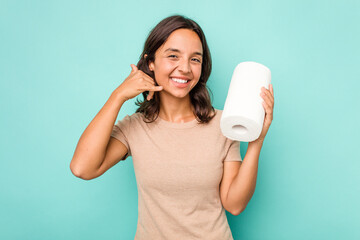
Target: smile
(180,83)
(178,80)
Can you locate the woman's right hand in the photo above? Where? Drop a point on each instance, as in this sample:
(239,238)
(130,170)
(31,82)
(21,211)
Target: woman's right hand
(136,83)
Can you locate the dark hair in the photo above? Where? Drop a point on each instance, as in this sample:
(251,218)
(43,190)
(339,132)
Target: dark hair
(199,95)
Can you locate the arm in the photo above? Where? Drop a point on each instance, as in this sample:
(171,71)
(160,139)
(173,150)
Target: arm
(96,151)
(243,185)
(91,148)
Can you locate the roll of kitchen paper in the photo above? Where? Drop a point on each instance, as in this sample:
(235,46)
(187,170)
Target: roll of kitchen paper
(243,115)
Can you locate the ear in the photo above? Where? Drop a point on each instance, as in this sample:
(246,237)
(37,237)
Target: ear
(151,66)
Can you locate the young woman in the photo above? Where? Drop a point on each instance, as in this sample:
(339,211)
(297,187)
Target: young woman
(187,172)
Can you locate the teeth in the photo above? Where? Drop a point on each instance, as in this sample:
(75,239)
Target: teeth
(179,80)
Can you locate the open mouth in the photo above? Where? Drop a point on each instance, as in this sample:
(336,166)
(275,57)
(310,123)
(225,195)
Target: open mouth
(181,81)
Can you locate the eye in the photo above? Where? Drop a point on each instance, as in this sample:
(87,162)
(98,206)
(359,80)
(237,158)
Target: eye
(172,56)
(196,60)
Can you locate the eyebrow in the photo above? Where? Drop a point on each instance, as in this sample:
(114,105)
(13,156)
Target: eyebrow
(177,50)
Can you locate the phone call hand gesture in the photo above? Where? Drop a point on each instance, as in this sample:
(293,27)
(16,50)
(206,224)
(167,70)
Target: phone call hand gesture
(136,83)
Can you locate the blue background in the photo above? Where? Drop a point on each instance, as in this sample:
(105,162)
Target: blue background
(61,60)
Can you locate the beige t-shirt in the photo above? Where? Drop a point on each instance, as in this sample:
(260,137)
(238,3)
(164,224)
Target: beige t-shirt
(178,169)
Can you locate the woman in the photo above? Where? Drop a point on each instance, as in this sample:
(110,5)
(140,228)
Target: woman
(187,172)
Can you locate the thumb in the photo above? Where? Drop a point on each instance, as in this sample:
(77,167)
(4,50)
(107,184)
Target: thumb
(133,68)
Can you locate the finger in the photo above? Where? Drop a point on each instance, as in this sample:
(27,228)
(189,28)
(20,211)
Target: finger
(268,101)
(158,88)
(133,68)
(270,97)
(152,81)
(148,78)
(268,92)
(266,95)
(271,89)
(268,109)
(152,92)
(148,81)
(265,106)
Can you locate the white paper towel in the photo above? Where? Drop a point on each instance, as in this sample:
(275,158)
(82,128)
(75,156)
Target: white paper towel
(243,115)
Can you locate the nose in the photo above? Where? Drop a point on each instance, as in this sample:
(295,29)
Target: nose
(184,66)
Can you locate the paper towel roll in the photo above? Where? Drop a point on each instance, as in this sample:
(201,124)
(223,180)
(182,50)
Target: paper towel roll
(243,115)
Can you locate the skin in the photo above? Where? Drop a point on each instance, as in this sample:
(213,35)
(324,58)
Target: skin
(268,104)
(239,178)
(238,183)
(175,105)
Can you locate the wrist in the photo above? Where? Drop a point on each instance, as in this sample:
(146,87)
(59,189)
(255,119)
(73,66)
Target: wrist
(118,95)
(258,141)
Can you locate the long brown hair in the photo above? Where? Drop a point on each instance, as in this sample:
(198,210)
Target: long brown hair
(199,95)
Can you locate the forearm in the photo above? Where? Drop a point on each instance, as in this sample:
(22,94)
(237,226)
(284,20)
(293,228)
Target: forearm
(91,148)
(242,187)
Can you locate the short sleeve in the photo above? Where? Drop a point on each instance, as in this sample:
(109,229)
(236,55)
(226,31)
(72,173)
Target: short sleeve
(232,150)
(120,131)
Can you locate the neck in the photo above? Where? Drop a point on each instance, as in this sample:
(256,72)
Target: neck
(175,109)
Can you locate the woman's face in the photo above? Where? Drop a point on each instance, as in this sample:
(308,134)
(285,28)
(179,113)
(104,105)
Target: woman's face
(178,59)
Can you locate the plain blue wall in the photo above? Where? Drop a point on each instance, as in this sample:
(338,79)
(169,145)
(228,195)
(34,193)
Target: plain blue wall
(60,61)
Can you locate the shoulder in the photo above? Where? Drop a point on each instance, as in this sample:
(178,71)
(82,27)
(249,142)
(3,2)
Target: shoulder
(128,120)
(218,111)
(136,119)
(217,117)
(214,123)
(132,119)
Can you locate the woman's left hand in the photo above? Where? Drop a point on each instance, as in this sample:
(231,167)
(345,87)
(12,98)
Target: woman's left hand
(268,96)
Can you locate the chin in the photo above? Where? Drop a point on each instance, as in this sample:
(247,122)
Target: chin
(177,94)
